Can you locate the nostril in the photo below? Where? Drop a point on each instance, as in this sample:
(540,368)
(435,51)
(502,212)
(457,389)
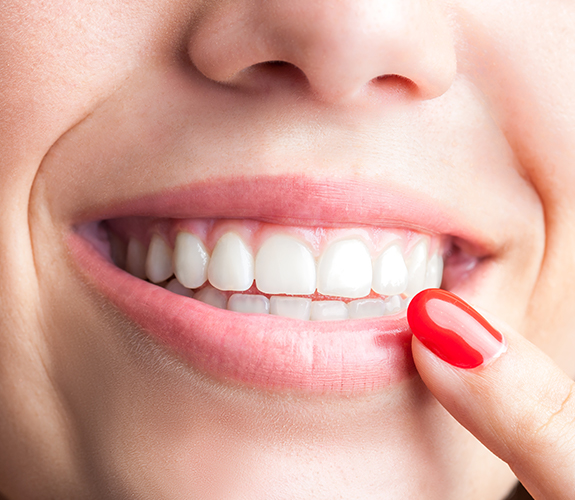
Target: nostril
(278,67)
(276,64)
(271,74)
(396,84)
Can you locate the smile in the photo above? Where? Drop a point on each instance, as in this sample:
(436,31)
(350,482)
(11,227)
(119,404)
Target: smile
(313,308)
(303,273)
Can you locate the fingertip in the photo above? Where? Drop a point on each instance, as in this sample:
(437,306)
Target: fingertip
(452,330)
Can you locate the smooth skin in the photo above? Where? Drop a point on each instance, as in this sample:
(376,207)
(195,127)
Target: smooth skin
(466,104)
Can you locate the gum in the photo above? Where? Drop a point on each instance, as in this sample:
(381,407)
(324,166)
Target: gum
(254,233)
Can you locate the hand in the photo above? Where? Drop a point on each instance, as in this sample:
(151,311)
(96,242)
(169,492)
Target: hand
(510,395)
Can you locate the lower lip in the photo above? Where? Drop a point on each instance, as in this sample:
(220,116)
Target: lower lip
(268,352)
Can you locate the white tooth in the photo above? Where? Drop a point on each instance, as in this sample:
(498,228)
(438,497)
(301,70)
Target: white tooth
(291,307)
(136,259)
(190,260)
(416,264)
(211,296)
(390,272)
(328,310)
(345,270)
(159,260)
(366,308)
(285,265)
(254,304)
(232,264)
(394,304)
(434,273)
(175,286)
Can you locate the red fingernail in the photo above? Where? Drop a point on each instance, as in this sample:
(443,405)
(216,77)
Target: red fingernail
(452,329)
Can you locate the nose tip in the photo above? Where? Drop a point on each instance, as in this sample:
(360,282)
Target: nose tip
(342,47)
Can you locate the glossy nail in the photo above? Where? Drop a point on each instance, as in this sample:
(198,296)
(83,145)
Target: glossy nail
(452,329)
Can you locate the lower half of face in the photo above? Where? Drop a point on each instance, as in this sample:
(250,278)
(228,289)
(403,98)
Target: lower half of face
(216,215)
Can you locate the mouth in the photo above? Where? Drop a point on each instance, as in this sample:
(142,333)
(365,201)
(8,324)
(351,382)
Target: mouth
(252,291)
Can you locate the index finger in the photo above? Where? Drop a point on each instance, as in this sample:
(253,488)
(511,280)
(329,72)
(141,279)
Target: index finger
(503,389)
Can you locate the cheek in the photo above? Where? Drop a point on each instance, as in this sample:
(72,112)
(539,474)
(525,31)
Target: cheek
(59,61)
(527,66)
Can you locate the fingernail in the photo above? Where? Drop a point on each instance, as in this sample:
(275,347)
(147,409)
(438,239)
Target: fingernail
(452,329)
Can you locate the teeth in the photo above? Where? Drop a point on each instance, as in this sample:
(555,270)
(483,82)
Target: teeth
(328,310)
(366,308)
(190,260)
(212,297)
(159,260)
(416,266)
(390,276)
(345,270)
(284,265)
(394,304)
(254,304)
(434,273)
(175,286)
(136,259)
(232,264)
(291,307)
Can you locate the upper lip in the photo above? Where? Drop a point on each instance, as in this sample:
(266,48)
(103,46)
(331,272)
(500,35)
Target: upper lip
(300,201)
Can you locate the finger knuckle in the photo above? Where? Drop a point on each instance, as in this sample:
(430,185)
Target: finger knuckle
(556,427)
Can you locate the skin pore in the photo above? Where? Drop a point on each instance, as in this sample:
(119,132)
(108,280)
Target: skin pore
(460,109)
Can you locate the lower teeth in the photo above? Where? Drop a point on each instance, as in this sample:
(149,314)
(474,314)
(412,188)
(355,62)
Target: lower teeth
(293,307)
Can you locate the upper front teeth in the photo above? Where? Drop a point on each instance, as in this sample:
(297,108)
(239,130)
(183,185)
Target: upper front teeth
(190,260)
(284,265)
(417,268)
(232,264)
(390,275)
(345,270)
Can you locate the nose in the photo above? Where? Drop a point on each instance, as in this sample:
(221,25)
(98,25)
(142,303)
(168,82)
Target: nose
(343,47)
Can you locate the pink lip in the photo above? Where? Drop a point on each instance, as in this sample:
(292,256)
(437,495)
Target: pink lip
(268,351)
(292,200)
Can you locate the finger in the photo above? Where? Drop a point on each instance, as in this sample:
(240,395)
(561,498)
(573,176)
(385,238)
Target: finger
(503,389)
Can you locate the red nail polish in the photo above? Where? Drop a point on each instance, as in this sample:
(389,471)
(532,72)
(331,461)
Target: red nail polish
(453,330)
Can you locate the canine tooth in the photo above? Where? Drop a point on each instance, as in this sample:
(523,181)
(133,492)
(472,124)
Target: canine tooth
(366,308)
(175,286)
(209,295)
(345,270)
(434,272)
(285,265)
(190,260)
(390,275)
(291,307)
(416,267)
(393,304)
(232,264)
(328,310)
(254,304)
(136,258)
(159,260)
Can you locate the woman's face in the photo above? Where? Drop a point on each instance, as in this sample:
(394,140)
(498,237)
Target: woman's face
(321,133)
